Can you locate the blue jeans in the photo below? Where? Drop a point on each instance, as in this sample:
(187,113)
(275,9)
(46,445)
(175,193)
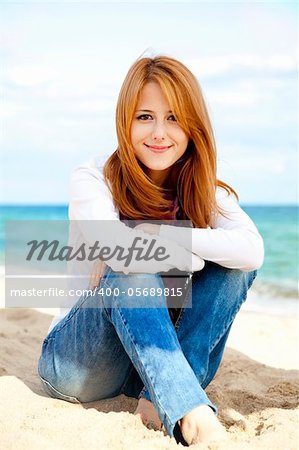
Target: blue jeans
(102,349)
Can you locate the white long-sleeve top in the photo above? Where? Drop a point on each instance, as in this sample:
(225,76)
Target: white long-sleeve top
(232,241)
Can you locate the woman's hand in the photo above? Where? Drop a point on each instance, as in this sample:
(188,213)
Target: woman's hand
(149,228)
(96,274)
(99,266)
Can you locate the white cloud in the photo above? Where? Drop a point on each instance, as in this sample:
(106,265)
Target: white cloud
(28,75)
(219,65)
(283,63)
(9,110)
(97,105)
(277,164)
(242,158)
(232,98)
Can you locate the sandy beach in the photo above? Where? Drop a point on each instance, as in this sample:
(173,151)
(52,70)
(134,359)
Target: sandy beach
(256,390)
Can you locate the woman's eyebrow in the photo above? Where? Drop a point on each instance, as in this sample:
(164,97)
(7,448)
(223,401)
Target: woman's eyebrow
(149,110)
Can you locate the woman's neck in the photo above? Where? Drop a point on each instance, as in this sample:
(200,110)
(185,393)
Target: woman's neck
(159,177)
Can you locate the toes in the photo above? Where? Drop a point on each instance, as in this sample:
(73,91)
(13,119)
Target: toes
(151,425)
(148,415)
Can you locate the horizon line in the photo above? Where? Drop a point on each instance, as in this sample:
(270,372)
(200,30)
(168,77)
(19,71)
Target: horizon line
(66,204)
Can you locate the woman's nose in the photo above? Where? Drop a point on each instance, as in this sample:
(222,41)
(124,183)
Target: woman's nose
(159,132)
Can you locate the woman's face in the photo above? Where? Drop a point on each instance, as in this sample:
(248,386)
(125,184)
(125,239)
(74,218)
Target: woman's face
(157,139)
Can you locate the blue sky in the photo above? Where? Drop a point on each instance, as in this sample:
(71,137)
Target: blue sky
(62,65)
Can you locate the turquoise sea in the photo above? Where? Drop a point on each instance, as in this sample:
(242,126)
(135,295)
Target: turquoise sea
(277,224)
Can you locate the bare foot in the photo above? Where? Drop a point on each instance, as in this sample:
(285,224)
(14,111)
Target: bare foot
(201,425)
(149,416)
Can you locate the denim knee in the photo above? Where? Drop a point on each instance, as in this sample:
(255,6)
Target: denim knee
(140,290)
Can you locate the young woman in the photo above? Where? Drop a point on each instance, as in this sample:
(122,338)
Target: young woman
(164,168)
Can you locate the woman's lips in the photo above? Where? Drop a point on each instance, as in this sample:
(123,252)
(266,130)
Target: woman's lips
(158,148)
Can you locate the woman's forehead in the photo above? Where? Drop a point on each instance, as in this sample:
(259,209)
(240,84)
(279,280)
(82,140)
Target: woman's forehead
(152,97)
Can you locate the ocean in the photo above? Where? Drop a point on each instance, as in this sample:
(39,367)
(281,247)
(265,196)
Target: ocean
(277,224)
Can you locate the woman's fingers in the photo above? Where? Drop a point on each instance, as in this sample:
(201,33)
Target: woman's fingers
(96,274)
(150,228)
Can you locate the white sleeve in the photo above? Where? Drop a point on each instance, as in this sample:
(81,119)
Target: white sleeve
(91,200)
(232,241)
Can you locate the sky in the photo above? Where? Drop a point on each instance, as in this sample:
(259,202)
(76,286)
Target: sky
(63,63)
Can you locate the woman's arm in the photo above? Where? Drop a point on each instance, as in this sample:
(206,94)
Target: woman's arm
(232,241)
(91,200)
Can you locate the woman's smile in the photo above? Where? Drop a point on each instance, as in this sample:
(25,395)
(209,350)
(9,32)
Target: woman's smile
(158,148)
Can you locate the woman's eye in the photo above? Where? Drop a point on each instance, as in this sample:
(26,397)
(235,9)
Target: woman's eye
(144,117)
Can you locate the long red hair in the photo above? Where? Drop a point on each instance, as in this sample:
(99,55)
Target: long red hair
(192,177)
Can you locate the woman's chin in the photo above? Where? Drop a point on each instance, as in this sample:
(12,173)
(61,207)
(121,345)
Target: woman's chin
(157,166)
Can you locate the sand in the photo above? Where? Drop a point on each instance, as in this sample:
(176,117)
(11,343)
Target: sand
(256,390)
